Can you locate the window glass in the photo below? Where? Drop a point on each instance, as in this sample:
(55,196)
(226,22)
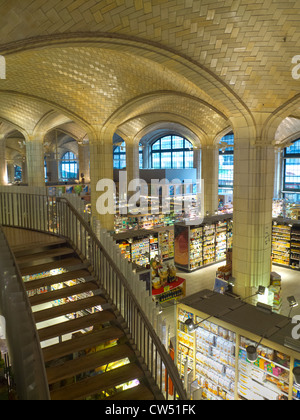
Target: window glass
(172,152)
(120,156)
(292,171)
(69,167)
(226,164)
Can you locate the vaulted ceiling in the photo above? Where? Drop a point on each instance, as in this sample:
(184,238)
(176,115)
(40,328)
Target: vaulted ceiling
(129,64)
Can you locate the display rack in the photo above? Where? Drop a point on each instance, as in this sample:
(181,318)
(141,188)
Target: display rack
(171,291)
(286,243)
(201,245)
(215,356)
(281,244)
(141,246)
(295,247)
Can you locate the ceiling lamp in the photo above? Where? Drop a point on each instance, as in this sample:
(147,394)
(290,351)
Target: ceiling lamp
(296,372)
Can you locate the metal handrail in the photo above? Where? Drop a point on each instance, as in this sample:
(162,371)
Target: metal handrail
(21,333)
(62,219)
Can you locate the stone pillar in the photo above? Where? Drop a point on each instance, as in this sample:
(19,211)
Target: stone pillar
(197,162)
(35,161)
(278,174)
(254,168)
(52,167)
(3,162)
(210,175)
(84,162)
(146,157)
(24,171)
(11,172)
(101,153)
(132,161)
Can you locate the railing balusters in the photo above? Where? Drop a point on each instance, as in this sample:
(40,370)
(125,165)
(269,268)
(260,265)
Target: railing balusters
(56,215)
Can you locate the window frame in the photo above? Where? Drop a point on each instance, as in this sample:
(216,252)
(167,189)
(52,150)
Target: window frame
(171,150)
(286,157)
(227,152)
(68,161)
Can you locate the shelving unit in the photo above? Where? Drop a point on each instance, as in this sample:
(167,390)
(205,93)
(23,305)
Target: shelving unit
(202,245)
(209,244)
(267,378)
(196,248)
(295,247)
(166,243)
(296,388)
(140,251)
(281,244)
(221,241)
(216,356)
(286,243)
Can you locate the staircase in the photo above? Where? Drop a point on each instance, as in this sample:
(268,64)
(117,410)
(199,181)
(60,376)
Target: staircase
(86,352)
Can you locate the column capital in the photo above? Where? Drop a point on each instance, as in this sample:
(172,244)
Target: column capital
(259,132)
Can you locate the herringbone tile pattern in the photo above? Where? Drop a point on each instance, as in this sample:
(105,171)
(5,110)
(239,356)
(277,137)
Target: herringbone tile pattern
(227,53)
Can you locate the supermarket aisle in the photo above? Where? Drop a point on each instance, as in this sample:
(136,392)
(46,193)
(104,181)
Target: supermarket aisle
(205,278)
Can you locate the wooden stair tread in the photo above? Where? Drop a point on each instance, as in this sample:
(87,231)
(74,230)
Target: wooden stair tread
(63,293)
(88,363)
(98,383)
(65,263)
(138,393)
(52,253)
(75,325)
(60,278)
(68,308)
(82,342)
(36,244)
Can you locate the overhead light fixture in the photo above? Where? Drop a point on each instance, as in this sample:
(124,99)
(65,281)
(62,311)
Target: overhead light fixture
(192,326)
(252,351)
(251,354)
(260,291)
(296,373)
(293,303)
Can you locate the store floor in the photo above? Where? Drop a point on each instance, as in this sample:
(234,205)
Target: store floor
(205,279)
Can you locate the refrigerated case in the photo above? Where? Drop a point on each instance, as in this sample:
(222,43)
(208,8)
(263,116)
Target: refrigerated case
(214,355)
(196,246)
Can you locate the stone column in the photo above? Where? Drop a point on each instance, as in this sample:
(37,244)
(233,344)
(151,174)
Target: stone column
(132,161)
(210,175)
(278,174)
(254,168)
(101,153)
(11,172)
(84,162)
(35,161)
(3,162)
(24,172)
(197,162)
(146,157)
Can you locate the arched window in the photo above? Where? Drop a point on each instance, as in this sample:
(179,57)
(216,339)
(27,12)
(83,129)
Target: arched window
(120,156)
(18,173)
(69,168)
(291,179)
(172,152)
(141,156)
(226,165)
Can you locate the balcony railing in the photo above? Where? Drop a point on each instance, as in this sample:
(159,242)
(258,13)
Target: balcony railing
(127,294)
